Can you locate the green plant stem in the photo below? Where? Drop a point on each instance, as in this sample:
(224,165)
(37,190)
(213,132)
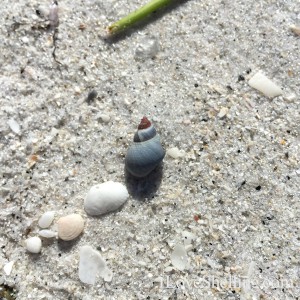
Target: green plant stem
(137,15)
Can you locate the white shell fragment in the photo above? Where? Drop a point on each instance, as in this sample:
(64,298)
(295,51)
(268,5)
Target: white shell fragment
(91,265)
(46,219)
(223,112)
(48,234)
(105,197)
(33,244)
(8,267)
(70,227)
(175,152)
(263,84)
(14,126)
(295,29)
(179,257)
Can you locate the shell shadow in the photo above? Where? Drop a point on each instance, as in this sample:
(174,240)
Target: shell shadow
(66,246)
(144,188)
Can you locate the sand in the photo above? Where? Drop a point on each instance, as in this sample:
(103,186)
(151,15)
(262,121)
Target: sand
(235,189)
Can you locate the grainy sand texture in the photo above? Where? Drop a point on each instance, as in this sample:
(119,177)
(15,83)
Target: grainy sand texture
(219,219)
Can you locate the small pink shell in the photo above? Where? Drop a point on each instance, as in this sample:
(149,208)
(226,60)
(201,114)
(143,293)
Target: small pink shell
(70,227)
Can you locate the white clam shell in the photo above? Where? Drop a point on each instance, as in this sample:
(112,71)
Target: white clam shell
(33,244)
(46,219)
(105,197)
(70,227)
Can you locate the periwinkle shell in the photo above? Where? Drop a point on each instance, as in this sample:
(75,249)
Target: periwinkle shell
(146,152)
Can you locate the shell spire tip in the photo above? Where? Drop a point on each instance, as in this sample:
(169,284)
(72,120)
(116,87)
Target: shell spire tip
(145,123)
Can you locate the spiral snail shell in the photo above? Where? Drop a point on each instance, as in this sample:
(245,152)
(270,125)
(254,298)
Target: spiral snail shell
(146,151)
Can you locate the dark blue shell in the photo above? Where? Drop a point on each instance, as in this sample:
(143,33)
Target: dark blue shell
(145,154)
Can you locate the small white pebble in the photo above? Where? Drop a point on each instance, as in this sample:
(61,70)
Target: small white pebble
(179,257)
(175,152)
(25,39)
(263,84)
(46,233)
(33,244)
(14,126)
(223,112)
(46,219)
(8,267)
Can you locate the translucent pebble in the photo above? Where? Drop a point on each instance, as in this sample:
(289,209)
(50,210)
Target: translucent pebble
(148,48)
(179,257)
(92,264)
(14,126)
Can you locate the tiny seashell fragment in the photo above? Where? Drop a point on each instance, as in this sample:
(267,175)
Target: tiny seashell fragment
(46,219)
(295,29)
(223,112)
(91,265)
(179,257)
(8,267)
(48,234)
(33,244)
(105,197)
(263,84)
(175,152)
(70,227)
(14,126)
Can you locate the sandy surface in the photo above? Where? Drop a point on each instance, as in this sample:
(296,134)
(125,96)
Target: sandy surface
(236,189)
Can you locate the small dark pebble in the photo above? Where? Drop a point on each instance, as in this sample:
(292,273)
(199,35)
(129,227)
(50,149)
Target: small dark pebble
(91,96)
(241,78)
(258,188)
